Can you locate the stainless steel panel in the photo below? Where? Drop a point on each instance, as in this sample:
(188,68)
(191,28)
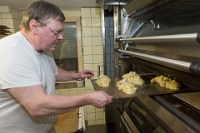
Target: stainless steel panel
(136,5)
(175,124)
(191,98)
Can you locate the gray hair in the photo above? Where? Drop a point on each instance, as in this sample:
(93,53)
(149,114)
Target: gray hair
(41,11)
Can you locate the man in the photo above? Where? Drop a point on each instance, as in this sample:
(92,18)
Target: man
(28,74)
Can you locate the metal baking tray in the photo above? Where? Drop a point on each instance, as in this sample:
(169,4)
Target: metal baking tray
(147,88)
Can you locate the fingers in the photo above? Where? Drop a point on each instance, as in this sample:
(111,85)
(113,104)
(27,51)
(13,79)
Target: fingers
(101,99)
(88,73)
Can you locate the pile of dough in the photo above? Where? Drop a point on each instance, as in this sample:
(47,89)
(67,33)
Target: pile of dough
(133,78)
(126,87)
(166,82)
(103,81)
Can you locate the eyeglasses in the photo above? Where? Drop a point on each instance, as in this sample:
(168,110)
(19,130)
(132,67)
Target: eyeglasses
(56,33)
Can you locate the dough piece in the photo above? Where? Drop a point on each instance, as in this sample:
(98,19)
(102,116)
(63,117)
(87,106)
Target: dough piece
(126,87)
(103,81)
(173,85)
(166,82)
(120,84)
(129,89)
(133,78)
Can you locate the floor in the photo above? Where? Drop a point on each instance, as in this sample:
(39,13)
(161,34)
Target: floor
(96,129)
(67,123)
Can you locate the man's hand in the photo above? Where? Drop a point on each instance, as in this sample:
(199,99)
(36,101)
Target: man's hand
(99,99)
(86,74)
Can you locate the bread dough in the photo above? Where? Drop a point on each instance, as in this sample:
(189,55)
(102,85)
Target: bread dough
(103,81)
(133,78)
(166,82)
(126,87)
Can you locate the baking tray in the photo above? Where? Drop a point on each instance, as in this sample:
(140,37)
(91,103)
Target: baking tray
(147,88)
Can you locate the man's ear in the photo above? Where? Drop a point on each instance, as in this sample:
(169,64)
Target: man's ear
(33,24)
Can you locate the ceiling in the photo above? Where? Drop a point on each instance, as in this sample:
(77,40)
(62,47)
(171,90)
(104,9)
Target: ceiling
(65,5)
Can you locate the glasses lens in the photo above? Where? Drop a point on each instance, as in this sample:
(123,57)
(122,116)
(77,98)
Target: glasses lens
(60,33)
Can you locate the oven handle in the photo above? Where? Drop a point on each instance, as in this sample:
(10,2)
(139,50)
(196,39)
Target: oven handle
(126,125)
(123,120)
(190,67)
(164,38)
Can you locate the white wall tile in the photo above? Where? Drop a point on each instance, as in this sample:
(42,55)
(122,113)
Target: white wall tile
(81,92)
(57,91)
(86,32)
(16,24)
(87,41)
(88,66)
(96,32)
(8,22)
(72,92)
(1,22)
(97,58)
(87,50)
(14,14)
(91,116)
(96,22)
(89,85)
(88,91)
(4,9)
(85,12)
(97,41)
(87,58)
(99,122)
(64,92)
(99,109)
(90,109)
(72,14)
(100,116)
(86,22)
(97,49)
(91,122)
(20,15)
(96,12)
(6,15)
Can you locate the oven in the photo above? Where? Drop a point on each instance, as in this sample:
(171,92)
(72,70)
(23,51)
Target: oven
(157,37)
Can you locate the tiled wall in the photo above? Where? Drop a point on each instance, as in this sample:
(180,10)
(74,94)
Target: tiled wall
(109,45)
(10,17)
(93,57)
(92,39)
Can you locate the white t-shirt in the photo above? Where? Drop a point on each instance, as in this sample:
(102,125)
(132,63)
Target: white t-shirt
(21,65)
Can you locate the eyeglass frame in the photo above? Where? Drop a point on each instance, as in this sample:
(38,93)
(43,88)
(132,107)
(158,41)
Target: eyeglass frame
(56,33)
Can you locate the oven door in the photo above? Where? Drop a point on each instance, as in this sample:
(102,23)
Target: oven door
(144,115)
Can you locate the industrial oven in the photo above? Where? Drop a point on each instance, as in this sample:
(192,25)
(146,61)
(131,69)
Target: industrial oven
(158,37)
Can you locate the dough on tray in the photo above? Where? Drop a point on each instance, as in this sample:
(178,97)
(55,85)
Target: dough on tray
(103,81)
(133,78)
(126,87)
(166,82)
